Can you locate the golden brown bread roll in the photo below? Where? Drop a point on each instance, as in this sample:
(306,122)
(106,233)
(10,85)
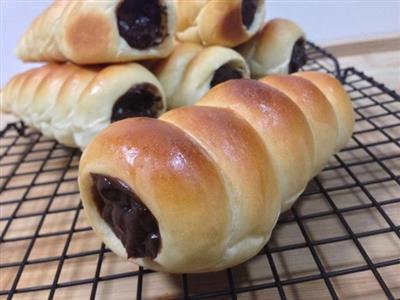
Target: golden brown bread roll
(191,70)
(90,32)
(316,108)
(282,126)
(279,48)
(201,188)
(340,101)
(72,103)
(214,22)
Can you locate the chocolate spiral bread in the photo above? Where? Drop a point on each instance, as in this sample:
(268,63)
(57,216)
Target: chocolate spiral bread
(72,104)
(191,70)
(279,48)
(201,188)
(216,22)
(90,32)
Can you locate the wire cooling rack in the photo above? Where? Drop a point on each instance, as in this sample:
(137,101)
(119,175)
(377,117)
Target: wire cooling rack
(341,239)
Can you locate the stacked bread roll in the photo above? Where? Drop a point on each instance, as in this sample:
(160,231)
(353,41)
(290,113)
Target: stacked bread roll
(93,32)
(72,103)
(215,22)
(58,99)
(191,70)
(279,48)
(210,180)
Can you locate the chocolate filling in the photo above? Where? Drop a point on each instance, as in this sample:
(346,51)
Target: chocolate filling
(131,221)
(249,8)
(142,23)
(141,100)
(225,73)
(299,56)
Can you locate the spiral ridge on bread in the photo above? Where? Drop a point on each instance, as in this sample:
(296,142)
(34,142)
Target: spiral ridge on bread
(191,70)
(92,32)
(200,189)
(72,103)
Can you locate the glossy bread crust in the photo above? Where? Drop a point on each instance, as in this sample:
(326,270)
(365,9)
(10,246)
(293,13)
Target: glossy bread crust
(317,110)
(235,146)
(340,101)
(175,178)
(280,123)
(216,175)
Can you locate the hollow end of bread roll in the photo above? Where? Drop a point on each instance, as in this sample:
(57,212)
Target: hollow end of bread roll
(142,24)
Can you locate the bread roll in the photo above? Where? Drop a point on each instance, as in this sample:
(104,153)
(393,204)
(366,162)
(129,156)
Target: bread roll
(316,108)
(201,188)
(279,48)
(72,104)
(340,101)
(191,70)
(216,22)
(92,32)
(282,126)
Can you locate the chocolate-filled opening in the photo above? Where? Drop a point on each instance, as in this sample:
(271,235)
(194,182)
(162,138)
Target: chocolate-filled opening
(249,9)
(141,100)
(131,221)
(224,73)
(299,56)
(142,23)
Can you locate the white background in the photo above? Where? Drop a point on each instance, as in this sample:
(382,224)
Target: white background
(323,21)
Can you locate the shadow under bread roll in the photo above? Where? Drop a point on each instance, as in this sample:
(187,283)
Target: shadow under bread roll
(92,32)
(279,48)
(72,103)
(191,70)
(216,22)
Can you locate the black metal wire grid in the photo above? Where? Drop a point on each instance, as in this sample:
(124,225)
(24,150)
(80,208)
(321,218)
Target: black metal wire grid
(44,233)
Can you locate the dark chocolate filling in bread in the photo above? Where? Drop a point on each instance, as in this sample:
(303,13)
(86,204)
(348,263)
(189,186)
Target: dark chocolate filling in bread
(249,8)
(299,56)
(132,222)
(141,100)
(225,73)
(142,23)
